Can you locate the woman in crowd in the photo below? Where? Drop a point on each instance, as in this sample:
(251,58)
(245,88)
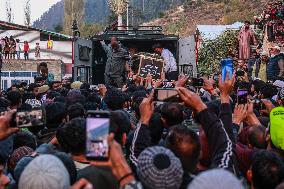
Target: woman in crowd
(26,50)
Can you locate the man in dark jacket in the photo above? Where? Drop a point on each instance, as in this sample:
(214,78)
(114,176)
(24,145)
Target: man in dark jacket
(116,63)
(275,66)
(218,131)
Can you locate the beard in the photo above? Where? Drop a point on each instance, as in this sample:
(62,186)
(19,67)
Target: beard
(273,55)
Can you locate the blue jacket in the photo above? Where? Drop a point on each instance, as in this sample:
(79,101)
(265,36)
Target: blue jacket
(272,68)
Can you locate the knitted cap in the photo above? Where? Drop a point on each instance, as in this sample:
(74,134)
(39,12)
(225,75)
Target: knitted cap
(216,179)
(76,85)
(264,53)
(159,168)
(17,155)
(43,89)
(46,149)
(45,172)
(20,167)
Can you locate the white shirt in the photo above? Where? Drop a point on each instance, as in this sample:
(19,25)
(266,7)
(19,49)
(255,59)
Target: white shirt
(18,47)
(170,61)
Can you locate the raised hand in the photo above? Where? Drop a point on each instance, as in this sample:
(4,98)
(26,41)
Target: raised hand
(117,162)
(82,184)
(208,85)
(181,81)
(5,123)
(191,100)
(268,105)
(226,88)
(157,83)
(240,113)
(146,110)
(102,89)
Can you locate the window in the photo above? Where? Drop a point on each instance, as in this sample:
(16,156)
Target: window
(20,74)
(84,53)
(17,82)
(5,74)
(34,74)
(4,85)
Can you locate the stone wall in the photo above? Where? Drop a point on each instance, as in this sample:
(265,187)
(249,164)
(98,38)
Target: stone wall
(54,66)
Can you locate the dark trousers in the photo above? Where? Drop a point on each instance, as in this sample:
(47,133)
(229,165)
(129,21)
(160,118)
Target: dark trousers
(113,81)
(26,55)
(172,76)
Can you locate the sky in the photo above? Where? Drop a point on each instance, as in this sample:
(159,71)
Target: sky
(38,7)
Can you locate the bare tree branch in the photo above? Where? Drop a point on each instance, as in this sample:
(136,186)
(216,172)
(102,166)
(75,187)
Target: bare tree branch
(27,12)
(73,10)
(9,11)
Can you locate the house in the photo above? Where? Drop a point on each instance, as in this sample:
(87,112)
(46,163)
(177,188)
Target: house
(14,71)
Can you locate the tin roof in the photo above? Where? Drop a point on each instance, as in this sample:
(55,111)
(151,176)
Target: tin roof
(11,26)
(138,33)
(213,31)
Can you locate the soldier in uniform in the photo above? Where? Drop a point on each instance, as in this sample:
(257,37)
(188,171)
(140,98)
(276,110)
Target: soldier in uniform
(116,64)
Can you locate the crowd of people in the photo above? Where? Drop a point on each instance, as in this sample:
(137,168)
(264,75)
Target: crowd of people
(272,21)
(11,48)
(266,66)
(205,139)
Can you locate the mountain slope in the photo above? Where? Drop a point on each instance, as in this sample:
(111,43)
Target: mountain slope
(98,12)
(184,19)
(52,18)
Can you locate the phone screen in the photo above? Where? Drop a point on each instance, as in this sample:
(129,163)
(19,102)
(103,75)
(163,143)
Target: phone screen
(166,95)
(97,130)
(196,82)
(242,96)
(240,73)
(227,68)
(29,119)
(216,77)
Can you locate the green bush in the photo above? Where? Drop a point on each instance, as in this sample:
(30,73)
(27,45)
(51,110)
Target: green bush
(213,51)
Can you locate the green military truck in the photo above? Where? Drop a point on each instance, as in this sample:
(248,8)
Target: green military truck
(90,58)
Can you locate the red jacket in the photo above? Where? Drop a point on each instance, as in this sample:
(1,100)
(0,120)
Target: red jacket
(26,47)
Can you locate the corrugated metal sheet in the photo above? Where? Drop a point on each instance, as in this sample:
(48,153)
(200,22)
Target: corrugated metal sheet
(13,26)
(213,31)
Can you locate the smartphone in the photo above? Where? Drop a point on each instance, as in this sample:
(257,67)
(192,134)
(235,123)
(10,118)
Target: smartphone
(216,77)
(168,84)
(24,119)
(240,73)
(227,68)
(166,95)
(242,95)
(97,130)
(94,87)
(196,82)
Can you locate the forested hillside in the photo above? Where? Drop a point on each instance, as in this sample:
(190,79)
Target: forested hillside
(97,11)
(52,18)
(183,20)
(175,16)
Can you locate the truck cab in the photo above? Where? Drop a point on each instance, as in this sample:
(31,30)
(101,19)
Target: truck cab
(90,58)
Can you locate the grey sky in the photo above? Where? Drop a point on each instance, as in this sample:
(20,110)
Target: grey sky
(38,7)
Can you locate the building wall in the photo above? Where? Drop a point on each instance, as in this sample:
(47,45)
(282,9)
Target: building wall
(62,50)
(15,71)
